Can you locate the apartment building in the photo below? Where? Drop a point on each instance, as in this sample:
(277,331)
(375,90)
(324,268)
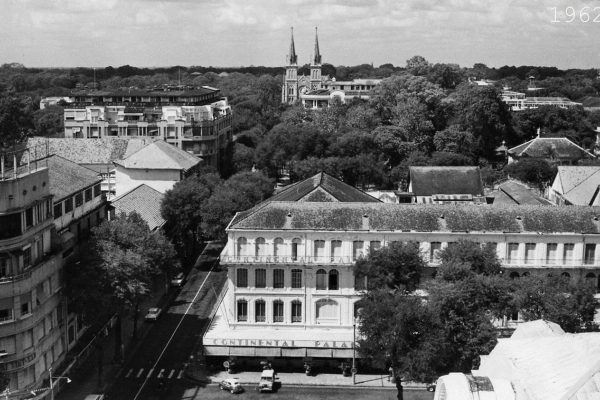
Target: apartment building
(291,293)
(197,120)
(46,206)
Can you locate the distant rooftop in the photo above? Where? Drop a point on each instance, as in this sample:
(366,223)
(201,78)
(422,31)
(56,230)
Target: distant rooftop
(145,201)
(159,155)
(68,178)
(427,181)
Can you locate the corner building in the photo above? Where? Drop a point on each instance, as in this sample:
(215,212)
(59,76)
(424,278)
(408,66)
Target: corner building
(292,297)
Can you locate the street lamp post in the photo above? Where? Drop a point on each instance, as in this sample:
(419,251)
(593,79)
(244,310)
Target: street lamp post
(52,382)
(354,351)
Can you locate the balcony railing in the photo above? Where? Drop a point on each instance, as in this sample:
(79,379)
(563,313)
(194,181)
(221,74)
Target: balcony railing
(288,259)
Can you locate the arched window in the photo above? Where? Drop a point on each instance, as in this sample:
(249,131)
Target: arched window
(242,247)
(514,275)
(336,249)
(590,279)
(565,275)
(295,248)
(334,278)
(260,247)
(319,252)
(242,310)
(526,273)
(296,311)
(278,311)
(374,245)
(260,311)
(357,309)
(321,279)
(278,249)
(327,311)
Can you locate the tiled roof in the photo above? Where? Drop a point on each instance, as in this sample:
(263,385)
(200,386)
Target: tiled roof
(322,187)
(578,183)
(427,181)
(513,192)
(160,155)
(68,178)
(145,201)
(88,151)
(337,216)
(551,366)
(558,147)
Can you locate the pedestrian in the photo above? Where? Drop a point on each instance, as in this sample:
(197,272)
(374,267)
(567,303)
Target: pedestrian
(390,373)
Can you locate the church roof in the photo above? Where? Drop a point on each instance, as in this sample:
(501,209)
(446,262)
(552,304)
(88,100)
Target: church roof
(427,181)
(292,58)
(322,187)
(317,56)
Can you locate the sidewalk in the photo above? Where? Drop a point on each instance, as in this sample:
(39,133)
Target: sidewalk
(86,380)
(250,379)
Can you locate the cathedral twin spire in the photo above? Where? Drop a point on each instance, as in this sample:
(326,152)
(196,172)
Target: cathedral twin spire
(293,58)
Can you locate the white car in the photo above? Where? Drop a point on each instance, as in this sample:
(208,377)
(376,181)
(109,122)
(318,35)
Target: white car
(153,314)
(232,385)
(178,280)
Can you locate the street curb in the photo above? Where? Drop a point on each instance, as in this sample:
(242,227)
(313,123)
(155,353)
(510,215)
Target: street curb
(325,385)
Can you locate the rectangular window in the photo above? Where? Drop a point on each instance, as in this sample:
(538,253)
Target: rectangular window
(357,249)
(512,252)
(260,278)
(278,311)
(242,311)
(78,199)
(551,253)
(296,278)
(529,253)
(4,266)
(68,205)
(88,195)
(6,314)
(97,190)
(27,258)
(590,253)
(434,250)
(296,311)
(569,254)
(260,311)
(336,249)
(58,210)
(319,249)
(278,278)
(242,277)
(25,309)
(29,217)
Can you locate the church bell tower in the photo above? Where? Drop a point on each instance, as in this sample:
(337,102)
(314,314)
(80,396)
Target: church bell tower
(290,85)
(315,66)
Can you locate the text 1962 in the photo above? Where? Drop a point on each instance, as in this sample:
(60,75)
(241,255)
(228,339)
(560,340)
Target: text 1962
(571,14)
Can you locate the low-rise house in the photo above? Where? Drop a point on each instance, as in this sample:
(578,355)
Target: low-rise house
(558,150)
(145,201)
(159,165)
(444,185)
(514,192)
(576,185)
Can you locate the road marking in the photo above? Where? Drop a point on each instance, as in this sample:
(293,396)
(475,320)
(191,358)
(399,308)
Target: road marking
(129,373)
(180,374)
(150,373)
(140,373)
(160,374)
(171,374)
(176,328)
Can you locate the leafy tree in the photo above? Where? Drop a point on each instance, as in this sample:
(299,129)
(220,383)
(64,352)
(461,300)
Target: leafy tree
(396,266)
(418,66)
(481,259)
(15,120)
(182,210)
(400,332)
(49,121)
(455,140)
(239,193)
(534,171)
(569,304)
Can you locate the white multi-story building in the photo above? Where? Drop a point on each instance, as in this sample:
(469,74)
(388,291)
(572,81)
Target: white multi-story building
(291,293)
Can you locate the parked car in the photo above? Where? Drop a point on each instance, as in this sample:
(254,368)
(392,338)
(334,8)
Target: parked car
(267,380)
(178,280)
(153,314)
(94,397)
(232,385)
(431,387)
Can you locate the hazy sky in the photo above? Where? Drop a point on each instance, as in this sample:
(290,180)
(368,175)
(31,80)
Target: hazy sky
(99,33)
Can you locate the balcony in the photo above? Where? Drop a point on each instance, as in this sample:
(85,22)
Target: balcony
(343,260)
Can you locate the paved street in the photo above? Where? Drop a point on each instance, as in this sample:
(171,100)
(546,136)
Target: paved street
(171,340)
